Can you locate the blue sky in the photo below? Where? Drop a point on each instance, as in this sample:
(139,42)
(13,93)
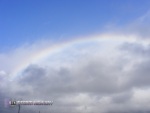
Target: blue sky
(25,21)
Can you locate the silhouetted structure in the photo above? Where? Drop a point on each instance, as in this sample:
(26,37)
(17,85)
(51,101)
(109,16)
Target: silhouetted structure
(19,108)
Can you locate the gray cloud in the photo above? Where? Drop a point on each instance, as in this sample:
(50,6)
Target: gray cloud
(139,75)
(90,84)
(136,49)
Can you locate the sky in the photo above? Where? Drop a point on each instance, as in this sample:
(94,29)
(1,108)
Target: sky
(88,56)
(26,21)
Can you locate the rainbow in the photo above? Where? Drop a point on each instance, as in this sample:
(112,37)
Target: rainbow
(60,46)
